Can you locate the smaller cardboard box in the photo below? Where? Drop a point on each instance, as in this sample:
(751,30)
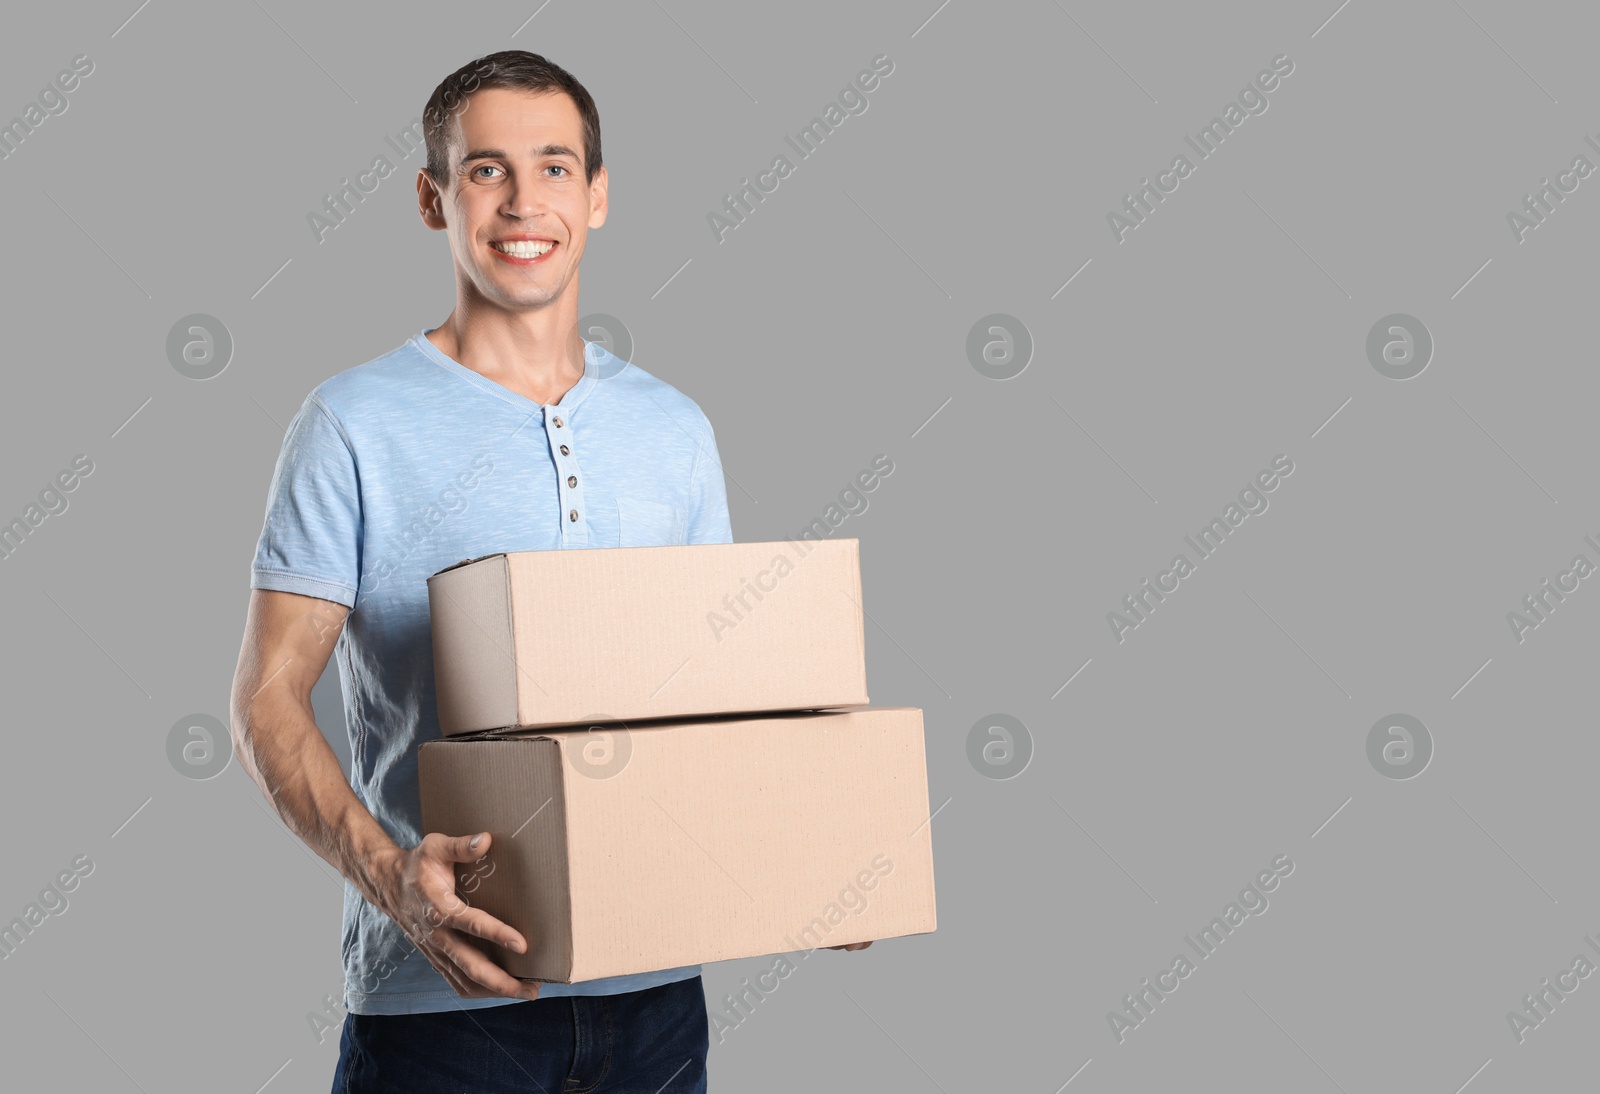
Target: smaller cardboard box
(629,849)
(550,638)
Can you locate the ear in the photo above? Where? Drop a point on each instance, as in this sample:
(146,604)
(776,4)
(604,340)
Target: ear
(430,202)
(599,203)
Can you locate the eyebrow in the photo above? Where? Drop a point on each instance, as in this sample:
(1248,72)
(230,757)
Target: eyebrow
(539,152)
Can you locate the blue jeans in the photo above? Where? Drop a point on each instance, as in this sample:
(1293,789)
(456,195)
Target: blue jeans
(652,1041)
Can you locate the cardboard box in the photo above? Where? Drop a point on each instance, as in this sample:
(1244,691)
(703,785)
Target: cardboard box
(673,843)
(551,638)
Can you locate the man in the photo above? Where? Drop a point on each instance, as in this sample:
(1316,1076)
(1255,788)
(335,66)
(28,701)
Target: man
(501,429)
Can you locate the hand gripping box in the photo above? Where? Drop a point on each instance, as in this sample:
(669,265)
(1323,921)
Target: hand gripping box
(631,848)
(548,638)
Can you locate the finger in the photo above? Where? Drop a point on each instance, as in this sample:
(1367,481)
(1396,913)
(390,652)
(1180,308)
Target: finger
(489,979)
(477,967)
(429,937)
(452,975)
(455,848)
(461,916)
(447,967)
(463,987)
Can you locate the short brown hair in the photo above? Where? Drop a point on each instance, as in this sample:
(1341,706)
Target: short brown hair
(514,68)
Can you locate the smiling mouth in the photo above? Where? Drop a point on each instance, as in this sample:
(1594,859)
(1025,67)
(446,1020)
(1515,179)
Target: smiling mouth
(525,250)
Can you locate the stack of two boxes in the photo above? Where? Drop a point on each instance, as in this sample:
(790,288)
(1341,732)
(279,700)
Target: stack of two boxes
(645,733)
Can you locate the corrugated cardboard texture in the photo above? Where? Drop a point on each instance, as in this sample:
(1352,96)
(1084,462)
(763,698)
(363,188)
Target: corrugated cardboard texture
(473,646)
(512,790)
(649,632)
(719,839)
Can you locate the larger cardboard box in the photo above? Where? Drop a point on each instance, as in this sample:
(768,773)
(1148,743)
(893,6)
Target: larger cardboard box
(651,846)
(550,638)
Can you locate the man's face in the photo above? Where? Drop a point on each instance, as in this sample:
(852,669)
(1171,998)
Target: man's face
(516,188)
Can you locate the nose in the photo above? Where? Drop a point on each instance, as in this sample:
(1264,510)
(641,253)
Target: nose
(522,200)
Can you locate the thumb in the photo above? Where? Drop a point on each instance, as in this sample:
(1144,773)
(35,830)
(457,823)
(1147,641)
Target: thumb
(464,848)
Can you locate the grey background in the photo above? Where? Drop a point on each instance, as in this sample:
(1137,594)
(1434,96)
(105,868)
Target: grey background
(829,328)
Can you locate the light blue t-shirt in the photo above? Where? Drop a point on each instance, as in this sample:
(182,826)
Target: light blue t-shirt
(395,469)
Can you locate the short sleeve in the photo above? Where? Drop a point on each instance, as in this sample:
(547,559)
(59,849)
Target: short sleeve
(311,539)
(708,513)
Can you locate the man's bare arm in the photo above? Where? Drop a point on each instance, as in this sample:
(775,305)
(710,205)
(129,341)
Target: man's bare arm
(287,642)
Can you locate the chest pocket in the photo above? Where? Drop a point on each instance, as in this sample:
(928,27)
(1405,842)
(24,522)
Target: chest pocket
(651,523)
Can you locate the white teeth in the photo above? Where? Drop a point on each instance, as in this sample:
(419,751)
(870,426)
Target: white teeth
(524,248)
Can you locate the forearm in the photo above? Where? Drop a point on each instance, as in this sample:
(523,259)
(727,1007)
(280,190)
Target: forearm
(278,742)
